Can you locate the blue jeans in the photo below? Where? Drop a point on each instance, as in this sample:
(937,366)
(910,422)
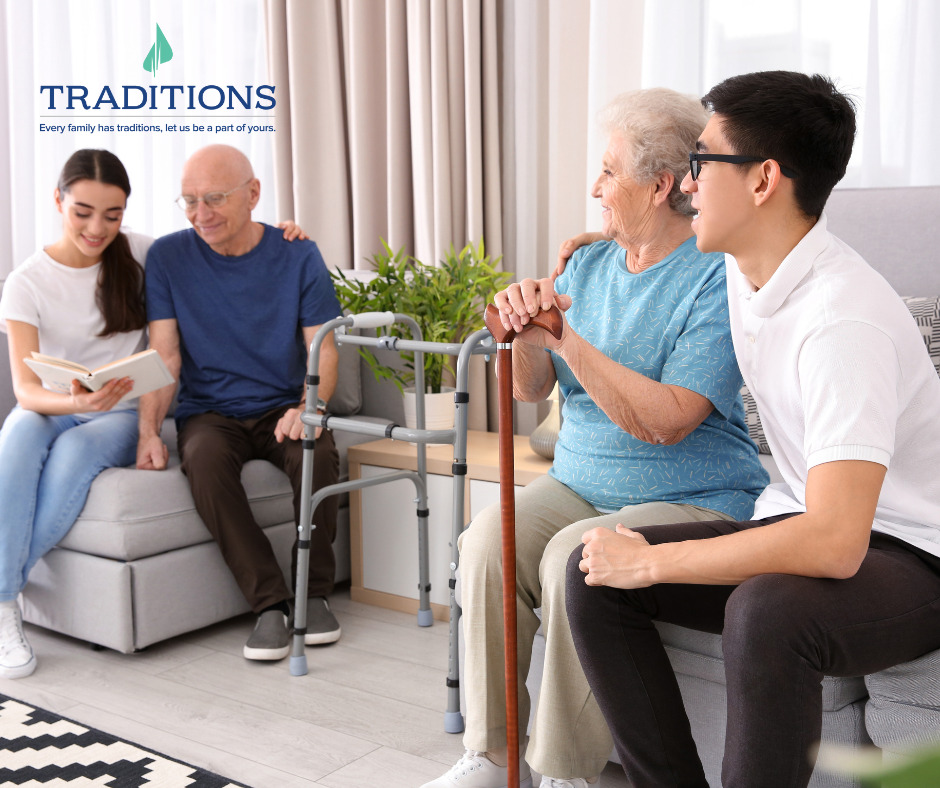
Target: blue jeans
(47,465)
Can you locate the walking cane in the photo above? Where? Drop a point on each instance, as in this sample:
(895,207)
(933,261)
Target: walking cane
(552,322)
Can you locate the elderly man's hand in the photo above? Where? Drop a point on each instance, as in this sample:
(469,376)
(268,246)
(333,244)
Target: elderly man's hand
(152,454)
(522,301)
(290,427)
(615,559)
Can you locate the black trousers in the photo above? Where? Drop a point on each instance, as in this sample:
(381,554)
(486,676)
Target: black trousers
(780,635)
(213,449)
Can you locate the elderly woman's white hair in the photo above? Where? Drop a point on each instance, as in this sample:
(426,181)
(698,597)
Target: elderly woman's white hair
(661,127)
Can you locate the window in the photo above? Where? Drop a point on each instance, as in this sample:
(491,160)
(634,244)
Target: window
(882,53)
(104,43)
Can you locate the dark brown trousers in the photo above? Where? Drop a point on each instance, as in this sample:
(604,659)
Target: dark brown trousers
(213,449)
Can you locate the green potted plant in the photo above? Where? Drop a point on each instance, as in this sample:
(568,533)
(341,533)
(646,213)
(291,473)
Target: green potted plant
(446,300)
(920,768)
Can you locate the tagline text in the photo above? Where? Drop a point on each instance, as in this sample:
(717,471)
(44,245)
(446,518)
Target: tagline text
(165,128)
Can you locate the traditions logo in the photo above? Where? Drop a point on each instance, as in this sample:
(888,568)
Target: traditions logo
(169,97)
(159,53)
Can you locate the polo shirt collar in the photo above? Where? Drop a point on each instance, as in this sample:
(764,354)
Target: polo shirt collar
(792,271)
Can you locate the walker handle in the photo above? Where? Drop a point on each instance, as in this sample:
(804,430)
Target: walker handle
(372,319)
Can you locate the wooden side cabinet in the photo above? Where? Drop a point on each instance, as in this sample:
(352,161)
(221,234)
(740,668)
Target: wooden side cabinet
(384,525)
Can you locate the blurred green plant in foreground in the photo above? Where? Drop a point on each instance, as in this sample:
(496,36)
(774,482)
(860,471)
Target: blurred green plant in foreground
(918,769)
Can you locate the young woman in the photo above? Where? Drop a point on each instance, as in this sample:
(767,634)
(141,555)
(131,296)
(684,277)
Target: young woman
(80,299)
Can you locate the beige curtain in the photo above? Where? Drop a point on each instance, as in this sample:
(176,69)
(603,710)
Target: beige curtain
(390,123)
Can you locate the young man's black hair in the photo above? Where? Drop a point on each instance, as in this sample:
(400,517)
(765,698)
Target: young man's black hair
(801,121)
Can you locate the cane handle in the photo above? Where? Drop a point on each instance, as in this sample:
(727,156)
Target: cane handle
(551,320)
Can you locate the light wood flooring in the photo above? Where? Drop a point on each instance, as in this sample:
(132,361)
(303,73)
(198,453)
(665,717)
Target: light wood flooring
(369,713)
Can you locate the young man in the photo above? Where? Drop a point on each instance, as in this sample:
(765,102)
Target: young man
(232,307)
(838,574)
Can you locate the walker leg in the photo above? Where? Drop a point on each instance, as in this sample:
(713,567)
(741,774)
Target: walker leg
(298,659)
(425,614)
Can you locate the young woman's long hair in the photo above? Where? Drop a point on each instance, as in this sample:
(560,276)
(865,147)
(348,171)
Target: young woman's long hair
(120,294)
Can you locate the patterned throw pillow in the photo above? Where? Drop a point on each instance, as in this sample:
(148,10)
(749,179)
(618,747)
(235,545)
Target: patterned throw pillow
(752,418)
(926,313)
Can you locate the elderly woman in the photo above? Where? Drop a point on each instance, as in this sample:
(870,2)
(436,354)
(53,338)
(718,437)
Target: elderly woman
(653,431)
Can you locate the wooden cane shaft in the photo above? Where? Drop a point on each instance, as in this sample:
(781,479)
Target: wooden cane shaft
(507,502)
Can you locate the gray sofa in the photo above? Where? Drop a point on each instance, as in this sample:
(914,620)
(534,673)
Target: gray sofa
(897,231)
(139,566)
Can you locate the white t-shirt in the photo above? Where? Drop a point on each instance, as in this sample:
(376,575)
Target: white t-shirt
(60,301)
(839,371)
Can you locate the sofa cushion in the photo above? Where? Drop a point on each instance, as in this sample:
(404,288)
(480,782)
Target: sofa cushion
(904,704)
(131,514)
(347,396)
(926,313)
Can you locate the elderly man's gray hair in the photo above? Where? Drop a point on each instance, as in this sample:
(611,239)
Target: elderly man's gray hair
(660,127)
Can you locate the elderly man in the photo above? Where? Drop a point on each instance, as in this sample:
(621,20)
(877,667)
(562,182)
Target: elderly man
(231,307)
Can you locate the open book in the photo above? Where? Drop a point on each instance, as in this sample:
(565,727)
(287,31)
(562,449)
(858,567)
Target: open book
(146,369)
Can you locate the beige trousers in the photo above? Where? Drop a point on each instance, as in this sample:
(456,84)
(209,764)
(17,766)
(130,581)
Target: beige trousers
(569,737)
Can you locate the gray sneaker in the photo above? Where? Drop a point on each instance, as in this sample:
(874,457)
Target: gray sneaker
(270,639)
(322,626)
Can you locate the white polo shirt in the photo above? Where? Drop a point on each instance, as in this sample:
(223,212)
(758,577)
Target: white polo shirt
(839,371)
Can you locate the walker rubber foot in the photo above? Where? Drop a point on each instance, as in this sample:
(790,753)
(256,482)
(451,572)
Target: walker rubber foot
(298,666)
(453,722)
(425,618)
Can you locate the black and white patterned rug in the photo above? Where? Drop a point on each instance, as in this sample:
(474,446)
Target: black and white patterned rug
(38,748)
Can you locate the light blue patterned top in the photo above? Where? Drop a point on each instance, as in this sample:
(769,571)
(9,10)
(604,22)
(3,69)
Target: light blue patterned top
(670,323)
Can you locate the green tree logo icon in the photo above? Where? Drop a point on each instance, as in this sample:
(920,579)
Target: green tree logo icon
(159,53)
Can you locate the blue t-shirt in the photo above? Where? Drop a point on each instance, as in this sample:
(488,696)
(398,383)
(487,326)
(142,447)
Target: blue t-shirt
(240,319)
(670,323)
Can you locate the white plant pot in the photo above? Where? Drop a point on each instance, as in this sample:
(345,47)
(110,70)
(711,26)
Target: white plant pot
(438,409)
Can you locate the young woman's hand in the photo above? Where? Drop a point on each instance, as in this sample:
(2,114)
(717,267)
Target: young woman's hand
(104,399)
(292,231)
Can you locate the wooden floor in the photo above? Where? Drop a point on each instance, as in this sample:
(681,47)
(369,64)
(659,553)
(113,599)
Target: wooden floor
(369,713)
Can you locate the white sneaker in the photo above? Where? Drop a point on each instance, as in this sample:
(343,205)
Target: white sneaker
(475,770)
(16,656)
(571,782)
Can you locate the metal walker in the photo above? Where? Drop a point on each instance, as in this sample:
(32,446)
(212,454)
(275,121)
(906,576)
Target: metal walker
(479,343)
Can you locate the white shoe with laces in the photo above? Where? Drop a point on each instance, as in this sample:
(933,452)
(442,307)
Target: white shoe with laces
(571,782)
(16,656)
(475,770)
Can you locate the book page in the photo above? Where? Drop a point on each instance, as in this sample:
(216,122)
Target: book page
(61,362)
